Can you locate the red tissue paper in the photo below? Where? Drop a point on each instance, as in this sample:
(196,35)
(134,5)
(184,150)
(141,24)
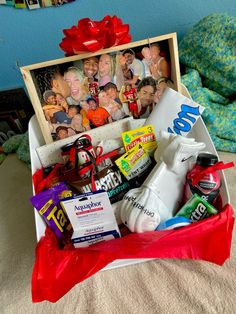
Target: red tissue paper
(91,36)
(57,270)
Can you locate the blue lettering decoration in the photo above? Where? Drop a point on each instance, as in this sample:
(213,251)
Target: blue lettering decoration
(185,119)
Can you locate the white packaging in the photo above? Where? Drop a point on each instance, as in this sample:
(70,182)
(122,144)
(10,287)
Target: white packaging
(174,113)
(92,218)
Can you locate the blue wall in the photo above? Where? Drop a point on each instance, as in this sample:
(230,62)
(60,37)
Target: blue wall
(29,37)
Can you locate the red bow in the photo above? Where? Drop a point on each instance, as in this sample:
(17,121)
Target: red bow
(90,36)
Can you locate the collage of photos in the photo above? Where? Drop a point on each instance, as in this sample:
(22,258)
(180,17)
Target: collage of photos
(85,94)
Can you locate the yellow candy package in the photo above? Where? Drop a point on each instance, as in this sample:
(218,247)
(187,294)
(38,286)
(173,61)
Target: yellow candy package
(134,162)
(144,135)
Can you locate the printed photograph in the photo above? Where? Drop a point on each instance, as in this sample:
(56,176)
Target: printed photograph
(80,95)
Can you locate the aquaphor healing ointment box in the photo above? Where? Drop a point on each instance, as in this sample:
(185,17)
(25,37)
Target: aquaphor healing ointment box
(92,218)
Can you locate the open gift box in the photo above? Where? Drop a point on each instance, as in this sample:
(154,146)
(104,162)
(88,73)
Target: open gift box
(56,271)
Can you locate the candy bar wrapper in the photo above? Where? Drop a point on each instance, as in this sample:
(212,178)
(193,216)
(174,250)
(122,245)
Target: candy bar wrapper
(109,179)
(48,205)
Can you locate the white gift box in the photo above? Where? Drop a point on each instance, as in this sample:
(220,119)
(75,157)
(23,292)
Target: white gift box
(45,155)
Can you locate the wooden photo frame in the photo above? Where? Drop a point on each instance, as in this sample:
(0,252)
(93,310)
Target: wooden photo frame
(74,94)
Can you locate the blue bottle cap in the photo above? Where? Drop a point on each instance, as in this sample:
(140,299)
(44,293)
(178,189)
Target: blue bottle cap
(173,223)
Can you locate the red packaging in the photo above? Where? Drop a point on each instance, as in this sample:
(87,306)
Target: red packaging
(56,271)
(204,178)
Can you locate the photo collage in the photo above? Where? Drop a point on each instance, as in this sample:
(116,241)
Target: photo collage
(88,93)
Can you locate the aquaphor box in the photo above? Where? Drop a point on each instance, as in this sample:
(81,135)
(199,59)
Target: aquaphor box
(92,218)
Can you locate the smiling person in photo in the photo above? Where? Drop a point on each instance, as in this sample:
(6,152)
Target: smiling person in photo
(74,78)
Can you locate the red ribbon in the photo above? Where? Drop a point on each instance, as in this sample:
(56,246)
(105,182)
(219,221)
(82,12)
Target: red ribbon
(91,36)
(94,159)
(98,159)
(218,166)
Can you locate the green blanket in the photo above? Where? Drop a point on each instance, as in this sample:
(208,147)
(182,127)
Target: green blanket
(18,144)
(209,53)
